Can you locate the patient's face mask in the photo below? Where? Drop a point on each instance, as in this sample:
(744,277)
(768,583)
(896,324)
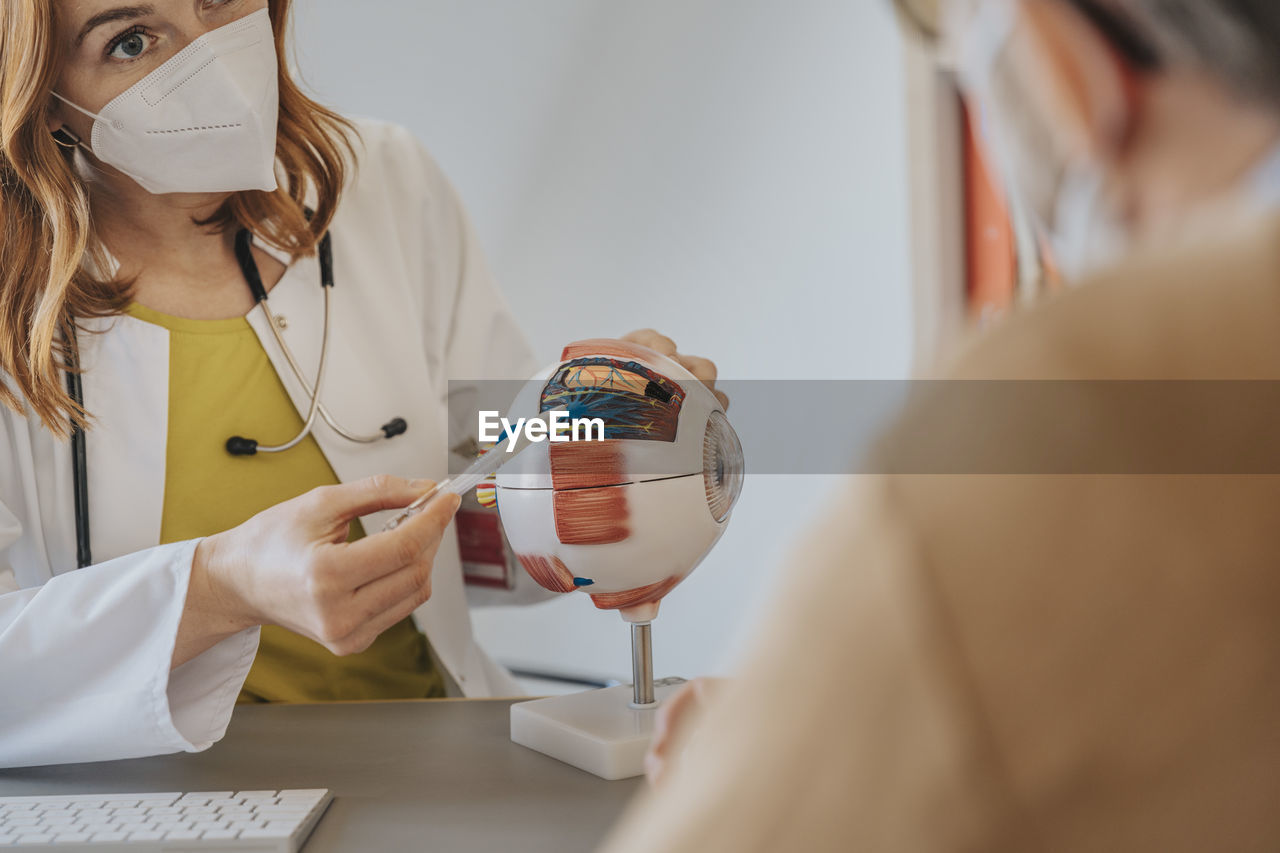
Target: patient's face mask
(1065,197)
(204,121)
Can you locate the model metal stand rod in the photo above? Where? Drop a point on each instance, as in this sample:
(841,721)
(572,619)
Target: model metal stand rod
(642,663)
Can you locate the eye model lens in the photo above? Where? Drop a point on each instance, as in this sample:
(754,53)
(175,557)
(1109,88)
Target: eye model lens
(722,465)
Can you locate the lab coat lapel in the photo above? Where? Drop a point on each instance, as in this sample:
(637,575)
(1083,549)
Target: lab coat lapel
(126,388)
(375,371)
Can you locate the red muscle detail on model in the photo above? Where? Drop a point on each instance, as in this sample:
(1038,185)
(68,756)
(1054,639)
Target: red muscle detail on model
(549,572)
(607,347)
(587,464)
(591,516)
(633,597)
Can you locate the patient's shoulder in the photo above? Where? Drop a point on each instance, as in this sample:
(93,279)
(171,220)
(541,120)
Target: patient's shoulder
(1071,577)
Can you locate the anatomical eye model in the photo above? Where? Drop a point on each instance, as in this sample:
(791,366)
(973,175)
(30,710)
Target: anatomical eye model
(626,518)
(623,518)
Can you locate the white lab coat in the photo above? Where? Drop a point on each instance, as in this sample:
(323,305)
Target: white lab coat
(84,654)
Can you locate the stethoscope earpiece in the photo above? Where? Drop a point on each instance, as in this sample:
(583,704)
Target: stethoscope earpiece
(240,446)
(394,427)
(65,137)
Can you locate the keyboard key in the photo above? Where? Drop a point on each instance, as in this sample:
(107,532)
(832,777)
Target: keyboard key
(35,838)
(102,837)
(220,802)
(69,837)
(196,810)
(269,831)
(147,835)
(129,810)
(182,835)
(283,814)
(220,834)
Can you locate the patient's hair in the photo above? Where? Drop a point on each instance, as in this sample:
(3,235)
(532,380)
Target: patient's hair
(48,245)
(1237,40)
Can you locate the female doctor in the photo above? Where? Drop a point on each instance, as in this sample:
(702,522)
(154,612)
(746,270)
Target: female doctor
(231,267)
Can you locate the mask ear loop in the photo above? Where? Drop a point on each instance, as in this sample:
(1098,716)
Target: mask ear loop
(77,107)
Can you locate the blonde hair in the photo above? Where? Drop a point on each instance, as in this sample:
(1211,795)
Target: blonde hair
(47,239)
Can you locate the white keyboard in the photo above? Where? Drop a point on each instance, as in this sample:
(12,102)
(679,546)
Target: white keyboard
(260,821)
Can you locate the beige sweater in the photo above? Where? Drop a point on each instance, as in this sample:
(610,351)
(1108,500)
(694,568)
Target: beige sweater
(1035,662)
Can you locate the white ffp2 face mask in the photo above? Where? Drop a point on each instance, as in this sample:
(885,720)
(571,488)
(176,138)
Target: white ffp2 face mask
(204,121)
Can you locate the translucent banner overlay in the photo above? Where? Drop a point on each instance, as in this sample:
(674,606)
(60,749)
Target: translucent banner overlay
(965,426)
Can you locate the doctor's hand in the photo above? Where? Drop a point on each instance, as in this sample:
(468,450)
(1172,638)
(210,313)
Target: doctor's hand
(291,565)
(703,368)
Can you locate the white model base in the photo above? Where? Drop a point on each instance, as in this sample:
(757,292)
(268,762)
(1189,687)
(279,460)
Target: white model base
(597,731)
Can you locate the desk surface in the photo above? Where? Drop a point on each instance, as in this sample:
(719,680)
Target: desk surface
(405,776)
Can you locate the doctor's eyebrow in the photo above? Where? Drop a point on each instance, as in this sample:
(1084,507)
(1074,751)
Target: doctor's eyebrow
(122,13)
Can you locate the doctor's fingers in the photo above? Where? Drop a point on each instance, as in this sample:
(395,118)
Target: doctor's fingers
(652,339)
(406,590)
(359,591)
(704,369)
(383,553)
(412,582)
(402,593)
(347,501)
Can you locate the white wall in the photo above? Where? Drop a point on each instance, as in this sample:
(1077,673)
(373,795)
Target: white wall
(731,172)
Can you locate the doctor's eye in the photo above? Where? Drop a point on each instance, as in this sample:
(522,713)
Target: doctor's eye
(130,44)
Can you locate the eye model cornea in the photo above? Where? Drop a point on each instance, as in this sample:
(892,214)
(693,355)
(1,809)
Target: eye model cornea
(722,466)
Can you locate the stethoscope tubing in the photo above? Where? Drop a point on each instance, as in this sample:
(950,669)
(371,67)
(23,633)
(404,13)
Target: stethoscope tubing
(238,445)
(312,392)
(79,456)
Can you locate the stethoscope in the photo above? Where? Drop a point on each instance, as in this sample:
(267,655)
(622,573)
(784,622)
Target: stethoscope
(236,445)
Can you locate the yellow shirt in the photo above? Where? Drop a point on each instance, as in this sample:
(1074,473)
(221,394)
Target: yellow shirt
(222,384)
